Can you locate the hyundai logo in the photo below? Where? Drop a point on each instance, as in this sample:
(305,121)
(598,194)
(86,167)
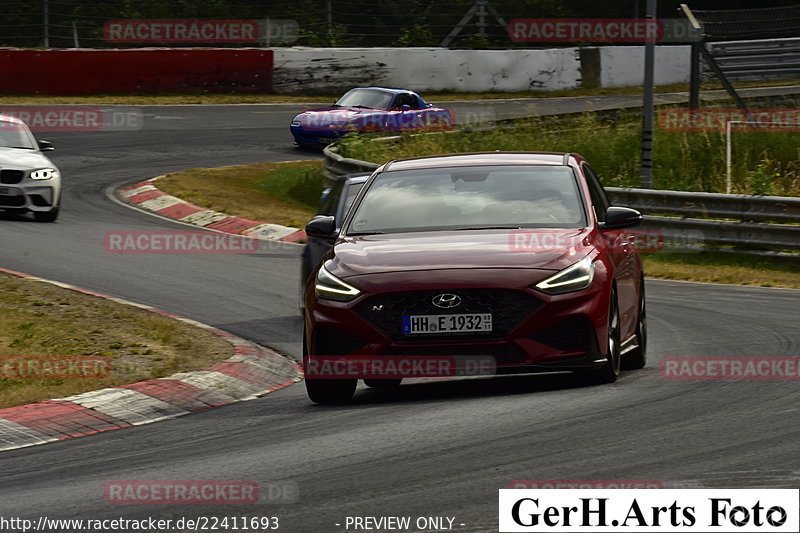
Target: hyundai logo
(446,301)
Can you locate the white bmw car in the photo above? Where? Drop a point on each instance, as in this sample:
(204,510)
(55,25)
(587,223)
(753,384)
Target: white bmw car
(29,181)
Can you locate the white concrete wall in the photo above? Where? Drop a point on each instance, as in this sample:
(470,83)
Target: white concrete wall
(307,70)
(623,66)
(425,69)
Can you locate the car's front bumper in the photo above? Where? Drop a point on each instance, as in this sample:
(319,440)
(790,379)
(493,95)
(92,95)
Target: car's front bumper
(533,332)
(29,197)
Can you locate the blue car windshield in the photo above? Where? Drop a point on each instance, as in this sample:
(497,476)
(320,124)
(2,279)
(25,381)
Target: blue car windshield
(366,98)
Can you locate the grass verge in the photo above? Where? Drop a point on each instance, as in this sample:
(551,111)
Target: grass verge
(279,193)
(764,162)
(42,320)
(721,267)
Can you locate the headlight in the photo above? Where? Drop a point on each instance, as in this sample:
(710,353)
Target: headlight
(329,287)
(296,120)
(44,174)
(573,278)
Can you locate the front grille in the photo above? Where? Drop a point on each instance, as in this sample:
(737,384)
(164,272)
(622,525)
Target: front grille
(10,177)
(508,308)
(570,335)
(12,201)
(502,353)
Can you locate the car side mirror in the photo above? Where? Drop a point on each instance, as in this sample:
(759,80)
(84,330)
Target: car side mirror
(45,146)
(323,227)
(621,217)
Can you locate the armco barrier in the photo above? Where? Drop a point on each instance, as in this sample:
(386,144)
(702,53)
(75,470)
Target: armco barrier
(696,209)
(87,71)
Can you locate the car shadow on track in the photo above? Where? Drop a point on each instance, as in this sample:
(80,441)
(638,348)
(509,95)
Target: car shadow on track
(18,217)
(418,391)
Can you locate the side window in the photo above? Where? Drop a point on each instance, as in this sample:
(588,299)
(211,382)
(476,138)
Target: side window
(405,99)
(600,201)
(331,201)
(350,196)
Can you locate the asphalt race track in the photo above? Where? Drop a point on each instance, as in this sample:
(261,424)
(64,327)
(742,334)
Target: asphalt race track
(425,450)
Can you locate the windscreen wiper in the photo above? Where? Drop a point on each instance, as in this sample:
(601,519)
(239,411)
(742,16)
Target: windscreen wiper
(486,227)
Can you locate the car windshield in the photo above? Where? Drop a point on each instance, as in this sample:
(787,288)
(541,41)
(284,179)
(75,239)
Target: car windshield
(15,135)
(366,98)
(461,198)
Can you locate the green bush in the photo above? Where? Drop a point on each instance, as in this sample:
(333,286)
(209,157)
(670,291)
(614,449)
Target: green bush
(682,160)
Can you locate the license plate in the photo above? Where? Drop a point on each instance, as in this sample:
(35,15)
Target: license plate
(465,323)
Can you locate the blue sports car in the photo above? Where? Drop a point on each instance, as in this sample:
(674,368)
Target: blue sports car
(367,109)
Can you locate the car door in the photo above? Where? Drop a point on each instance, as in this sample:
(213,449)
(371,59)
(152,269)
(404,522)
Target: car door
(621,248)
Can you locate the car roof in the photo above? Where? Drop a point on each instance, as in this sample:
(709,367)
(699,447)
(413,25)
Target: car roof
(480,159)
(361,178)
(392,90)
(9,118)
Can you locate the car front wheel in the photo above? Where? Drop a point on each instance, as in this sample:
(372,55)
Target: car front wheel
(637,357)
(609,372)
(327,391)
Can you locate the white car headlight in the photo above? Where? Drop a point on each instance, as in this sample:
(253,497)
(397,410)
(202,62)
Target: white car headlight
(573,278)
(329,287)
(296,120)
(44,174)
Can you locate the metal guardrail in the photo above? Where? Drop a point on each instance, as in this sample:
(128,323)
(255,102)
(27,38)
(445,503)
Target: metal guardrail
(757,59)
(753,223)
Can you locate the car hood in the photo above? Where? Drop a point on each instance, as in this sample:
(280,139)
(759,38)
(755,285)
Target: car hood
(546,249)
(23,159)
(340,114)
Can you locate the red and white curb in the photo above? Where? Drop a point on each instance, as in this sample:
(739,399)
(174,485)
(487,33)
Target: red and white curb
(146,195)
(252,372)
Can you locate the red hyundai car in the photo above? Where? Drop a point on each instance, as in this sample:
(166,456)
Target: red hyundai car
(515,258)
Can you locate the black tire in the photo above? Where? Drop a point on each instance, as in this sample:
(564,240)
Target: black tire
(328,391)
(383,383)
(609,372)
(637,358)
(303,279)
(46,216)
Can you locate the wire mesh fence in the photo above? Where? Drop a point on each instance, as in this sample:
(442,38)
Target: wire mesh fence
(761,23)
(80,23)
